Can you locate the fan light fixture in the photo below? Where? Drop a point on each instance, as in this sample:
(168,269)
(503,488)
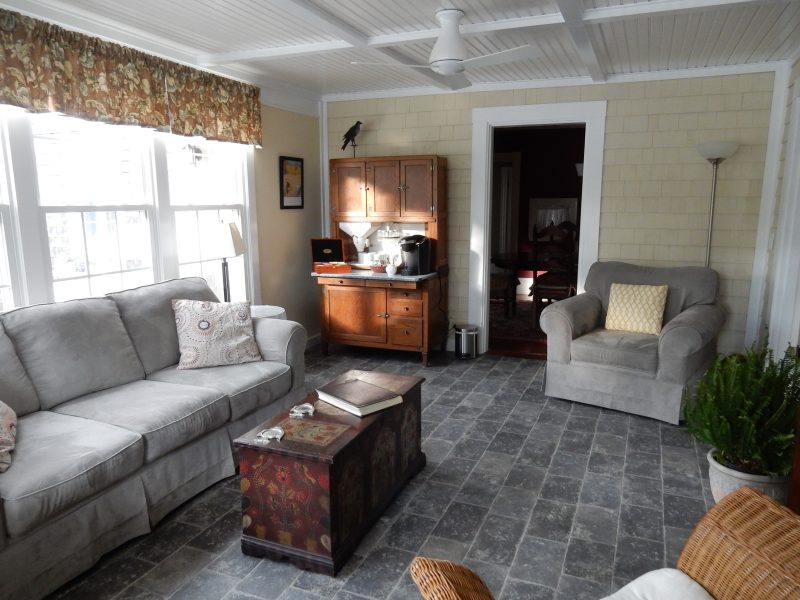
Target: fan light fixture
(715,153)
(449,51)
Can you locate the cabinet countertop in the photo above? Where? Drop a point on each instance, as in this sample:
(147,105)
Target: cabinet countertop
(378,276)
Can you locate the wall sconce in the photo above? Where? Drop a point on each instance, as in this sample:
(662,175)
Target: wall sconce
(231,244)
(715,153)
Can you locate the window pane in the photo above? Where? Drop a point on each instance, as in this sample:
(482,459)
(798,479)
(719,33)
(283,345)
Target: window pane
(135,251)
(132,279)
(101,241)
(104,284)
(83,163)
(188,236)
(67,252)
(202,172)
(70,289)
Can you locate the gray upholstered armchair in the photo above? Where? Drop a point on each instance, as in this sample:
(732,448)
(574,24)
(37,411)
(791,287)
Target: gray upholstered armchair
(633,372)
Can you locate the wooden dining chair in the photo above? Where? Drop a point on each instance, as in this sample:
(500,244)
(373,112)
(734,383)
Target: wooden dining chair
(555,277)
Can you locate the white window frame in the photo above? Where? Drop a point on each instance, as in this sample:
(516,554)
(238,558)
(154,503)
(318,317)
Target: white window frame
(29,252)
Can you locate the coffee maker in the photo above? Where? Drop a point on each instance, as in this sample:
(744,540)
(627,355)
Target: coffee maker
(416,252)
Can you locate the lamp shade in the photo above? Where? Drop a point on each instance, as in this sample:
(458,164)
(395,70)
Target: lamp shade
(227,241)
(236,240)
(717,150)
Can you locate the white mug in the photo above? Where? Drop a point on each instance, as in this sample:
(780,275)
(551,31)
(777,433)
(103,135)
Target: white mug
(391,270)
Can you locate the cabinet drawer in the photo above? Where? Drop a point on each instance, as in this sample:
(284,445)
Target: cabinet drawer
(340,281)
(395,285)
(406,294)
(405,332)
(405,307)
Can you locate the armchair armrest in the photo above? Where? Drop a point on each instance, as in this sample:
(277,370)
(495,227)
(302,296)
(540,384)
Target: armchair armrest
(566,320)
(691,330)
(285,342)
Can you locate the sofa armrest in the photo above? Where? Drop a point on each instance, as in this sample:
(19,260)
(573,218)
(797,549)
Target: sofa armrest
(691,330)
(285,342)
(566,320)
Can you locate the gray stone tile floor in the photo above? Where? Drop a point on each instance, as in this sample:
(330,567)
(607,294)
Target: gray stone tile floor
(543,498)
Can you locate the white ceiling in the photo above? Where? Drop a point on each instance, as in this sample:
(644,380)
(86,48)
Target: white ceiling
(306,46)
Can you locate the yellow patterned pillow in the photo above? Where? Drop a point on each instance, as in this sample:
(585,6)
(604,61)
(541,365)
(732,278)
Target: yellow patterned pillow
(636,308)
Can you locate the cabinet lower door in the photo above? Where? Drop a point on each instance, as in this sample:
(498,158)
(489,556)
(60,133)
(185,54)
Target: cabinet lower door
(356,314)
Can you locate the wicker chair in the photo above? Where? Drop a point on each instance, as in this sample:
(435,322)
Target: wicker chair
(747,547)
(445,580)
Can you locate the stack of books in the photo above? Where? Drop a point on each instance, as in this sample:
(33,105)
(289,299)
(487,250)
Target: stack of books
(357,396)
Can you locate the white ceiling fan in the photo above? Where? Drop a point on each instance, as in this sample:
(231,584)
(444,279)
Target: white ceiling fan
(449,53)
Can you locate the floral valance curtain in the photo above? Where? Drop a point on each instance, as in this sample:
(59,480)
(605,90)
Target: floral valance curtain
(46,68)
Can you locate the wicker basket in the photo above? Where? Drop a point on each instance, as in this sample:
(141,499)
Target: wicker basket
(445,580)
(746,547)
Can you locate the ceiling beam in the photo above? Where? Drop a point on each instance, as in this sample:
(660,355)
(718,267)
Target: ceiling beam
(572,11)
(355,38)
(327,21)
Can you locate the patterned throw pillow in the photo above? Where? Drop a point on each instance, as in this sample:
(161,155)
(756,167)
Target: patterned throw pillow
(8,435)
(211,334)
(636,308)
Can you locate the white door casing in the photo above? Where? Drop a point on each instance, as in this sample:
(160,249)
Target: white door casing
(484,120)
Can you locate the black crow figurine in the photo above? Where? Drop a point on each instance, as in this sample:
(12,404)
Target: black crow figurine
(350,136)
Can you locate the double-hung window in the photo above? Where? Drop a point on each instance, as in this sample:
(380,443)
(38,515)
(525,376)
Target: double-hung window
(95,199)
(98,208)
(206,194)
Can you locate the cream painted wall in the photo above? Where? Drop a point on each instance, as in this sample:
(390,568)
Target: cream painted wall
(656,187)
(283,235)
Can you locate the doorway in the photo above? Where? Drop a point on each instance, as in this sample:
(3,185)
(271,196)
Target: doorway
(484,121)
(535,222)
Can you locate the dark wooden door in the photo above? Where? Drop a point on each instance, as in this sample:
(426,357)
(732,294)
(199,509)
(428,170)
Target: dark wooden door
(383,188)
(348,194)
(356,314)
(416,179)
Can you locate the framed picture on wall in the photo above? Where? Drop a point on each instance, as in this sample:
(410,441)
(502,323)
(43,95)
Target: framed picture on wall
(291,182)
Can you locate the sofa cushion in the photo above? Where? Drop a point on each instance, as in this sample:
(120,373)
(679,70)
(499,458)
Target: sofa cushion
(662,584)
(148,316)
(73,348)
(213,334)
(166,415)
(60,461)
(16,388)
(687,285)
(637,351)
(248,386)
(636,308)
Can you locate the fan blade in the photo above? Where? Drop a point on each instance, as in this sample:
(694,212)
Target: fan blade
(358,62)
(496,58)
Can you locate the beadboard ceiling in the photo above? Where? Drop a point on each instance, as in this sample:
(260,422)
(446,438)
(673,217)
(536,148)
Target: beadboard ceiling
(306,47)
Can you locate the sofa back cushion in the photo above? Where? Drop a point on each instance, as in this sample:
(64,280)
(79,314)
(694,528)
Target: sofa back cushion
(73,348)
(16,388)
(687,285)
(148,315)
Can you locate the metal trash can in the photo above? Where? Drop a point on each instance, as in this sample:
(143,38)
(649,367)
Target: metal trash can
(466,341)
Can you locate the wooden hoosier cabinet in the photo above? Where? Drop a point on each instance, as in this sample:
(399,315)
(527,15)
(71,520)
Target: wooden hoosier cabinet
(373,309)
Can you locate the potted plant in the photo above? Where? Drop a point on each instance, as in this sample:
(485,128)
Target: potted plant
(746,408)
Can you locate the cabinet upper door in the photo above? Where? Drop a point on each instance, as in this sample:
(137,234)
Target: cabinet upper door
(348,194)
(416,180)
(383,188)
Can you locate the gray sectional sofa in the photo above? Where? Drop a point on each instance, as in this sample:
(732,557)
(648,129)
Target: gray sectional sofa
(111,436)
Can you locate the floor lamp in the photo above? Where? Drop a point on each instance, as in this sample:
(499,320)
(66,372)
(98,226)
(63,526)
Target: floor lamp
(233,246)
(715,153)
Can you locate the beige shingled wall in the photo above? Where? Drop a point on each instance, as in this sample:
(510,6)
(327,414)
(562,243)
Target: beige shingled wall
(655,185)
